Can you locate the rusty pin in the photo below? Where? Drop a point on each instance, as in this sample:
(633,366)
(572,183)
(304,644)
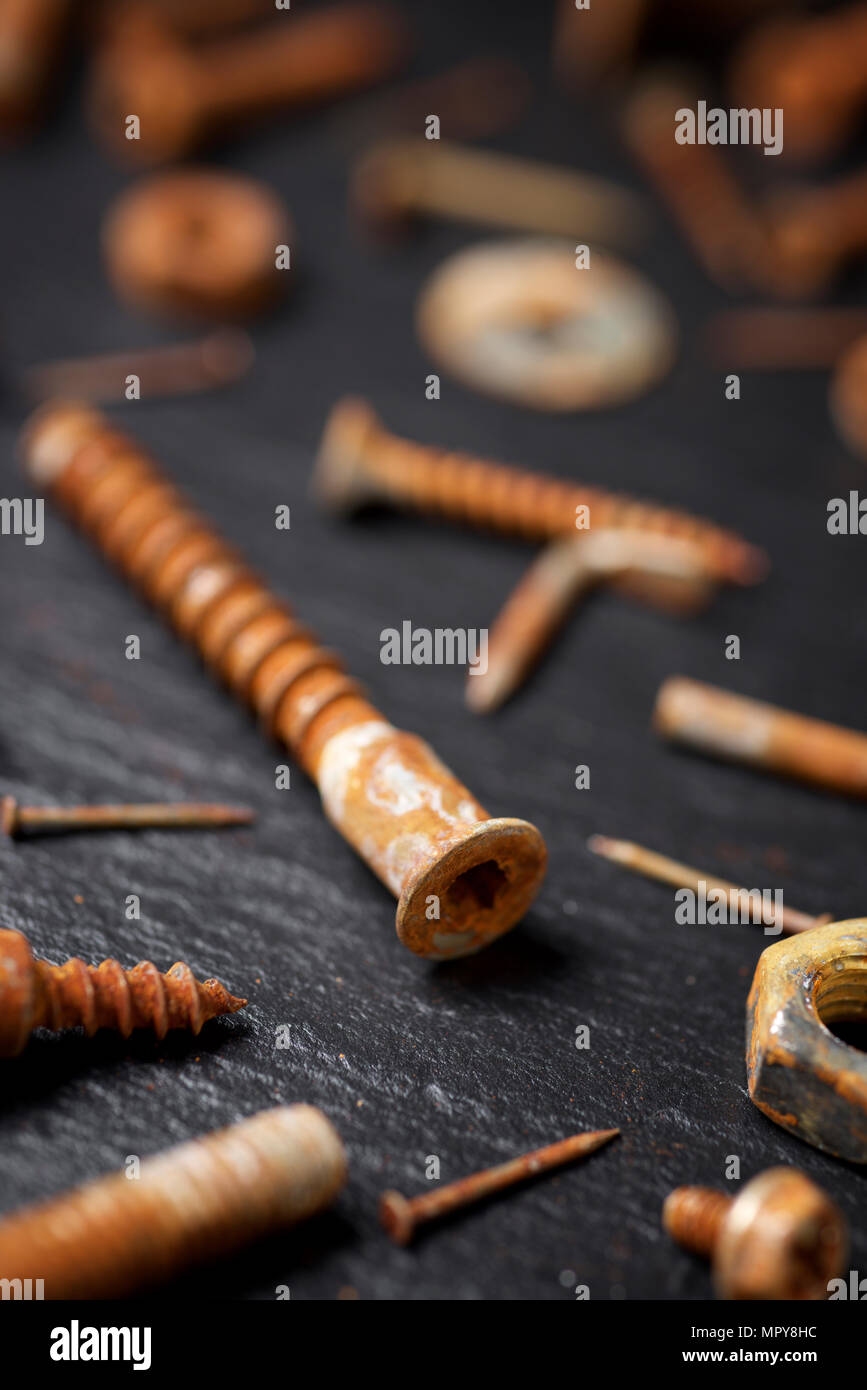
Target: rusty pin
(645,861)
(183,96)
(399,178)
(360,462)
(781,1238)
(400,1216)
(154,815)
(191,1203)
(741,730)
(34,994)
(667,570)
(461,877)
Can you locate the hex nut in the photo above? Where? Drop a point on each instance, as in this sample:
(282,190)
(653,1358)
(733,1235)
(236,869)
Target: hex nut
(800,1074)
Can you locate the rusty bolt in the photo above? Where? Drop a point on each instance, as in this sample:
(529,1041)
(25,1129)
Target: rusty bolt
(34,994)
(183,95)
(400,1217)
(461,877)
(800,1074)
(360,462)
(849,397)
(715,722)
(781,1238)
(814,68)
(201,1200)
(814,233)
(15,819)
(404,177)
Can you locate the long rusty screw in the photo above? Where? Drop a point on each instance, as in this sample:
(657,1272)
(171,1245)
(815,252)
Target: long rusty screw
(646,861)
(741,730)
(34,994)
(185,815)
(192,1203)
(174,369)
(781,1238)
(400,1216)
(814,233)
(719,222)
(183,95)
(360,462)
(668,570)
(461,877)
(401,178)
(815,68)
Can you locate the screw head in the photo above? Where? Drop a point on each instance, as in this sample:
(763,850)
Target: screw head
(395,1214)
(783,1238)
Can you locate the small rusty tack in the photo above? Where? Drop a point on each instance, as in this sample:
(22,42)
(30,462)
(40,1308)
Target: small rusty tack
(781,1238)
(399,179)
(15,819)
(401,1216)
(34,994)
(741,730)
(360,462)
(193,1203)
(175,369)
(421,831)
(665,870)
(184,96)
(670,571)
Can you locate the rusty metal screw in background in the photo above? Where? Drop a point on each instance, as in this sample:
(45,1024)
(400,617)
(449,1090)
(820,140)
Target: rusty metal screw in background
(781,1237)
(198,1201)
(34,994)
(420,830)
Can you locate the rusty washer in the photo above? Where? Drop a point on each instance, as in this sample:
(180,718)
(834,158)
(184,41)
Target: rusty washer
(800,1074)
(197,243)
(461,877)
(519,320)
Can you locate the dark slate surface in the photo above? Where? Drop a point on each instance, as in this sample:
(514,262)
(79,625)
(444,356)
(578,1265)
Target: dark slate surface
(472,1061)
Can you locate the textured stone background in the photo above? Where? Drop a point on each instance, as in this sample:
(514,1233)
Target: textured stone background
(473,1061)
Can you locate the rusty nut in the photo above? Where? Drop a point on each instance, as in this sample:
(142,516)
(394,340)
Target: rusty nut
(800,1074)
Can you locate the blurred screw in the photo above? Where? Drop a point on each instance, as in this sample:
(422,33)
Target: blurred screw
(189,1204)
(34,994)
(400,1216)
(154,815)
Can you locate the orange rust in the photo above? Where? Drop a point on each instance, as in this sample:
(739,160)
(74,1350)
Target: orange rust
(849,397)
(190,1204)
(461,877)
(34,994)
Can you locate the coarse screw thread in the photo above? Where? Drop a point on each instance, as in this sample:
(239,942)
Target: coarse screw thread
(35,994)
(694,1216)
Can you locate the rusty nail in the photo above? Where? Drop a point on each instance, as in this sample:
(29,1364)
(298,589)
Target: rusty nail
(151,815)
(216,360)
(404,177)
(400,1216)
(195,1202)
(646,861)
(461,877)
(669,569)
(781,1238)
(361,462)
(738,729)
(183,95)
(34,994)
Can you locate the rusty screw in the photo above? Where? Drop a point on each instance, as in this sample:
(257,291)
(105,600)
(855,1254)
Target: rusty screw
(814,68)
(814,233)
(461,877)
(192,1203)
(665,870)
(400,178)
(34,994)
(182,96)
(360,462)
(733,727)
(400,1217)
(156,815)
(668,570)
(781,1238)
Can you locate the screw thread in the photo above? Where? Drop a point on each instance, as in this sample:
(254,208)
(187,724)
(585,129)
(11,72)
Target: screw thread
(694,1216)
